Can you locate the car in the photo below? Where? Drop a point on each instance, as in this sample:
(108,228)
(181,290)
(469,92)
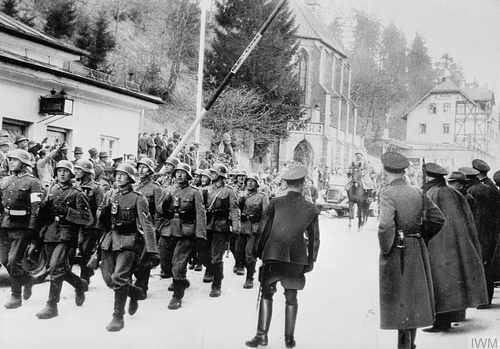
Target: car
(334,198)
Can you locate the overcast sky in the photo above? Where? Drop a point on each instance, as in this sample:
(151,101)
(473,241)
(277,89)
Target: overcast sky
(468,30)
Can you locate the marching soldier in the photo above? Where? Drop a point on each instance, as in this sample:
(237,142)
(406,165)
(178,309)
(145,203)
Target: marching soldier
(286,252)
(222,215)
(130,236)
(239,187)
(90,233)
(152,191)
(253,204)
(167,172)
(183,228)
(20,194)
(406,296)
(67,210)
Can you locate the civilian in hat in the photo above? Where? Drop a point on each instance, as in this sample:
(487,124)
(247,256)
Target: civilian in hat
(454,254)
(458,181)
(487,222)
(62,153)
(285,253)
(21,142)
(406,296)
(4,164)
(77,154)
(483,169)
(93,153)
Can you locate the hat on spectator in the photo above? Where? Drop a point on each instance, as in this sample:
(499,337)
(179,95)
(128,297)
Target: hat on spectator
(20,138)
(480,165)
(103,154)
(394,162)
(469,171)
(93,151)
(78,150)
(457,176)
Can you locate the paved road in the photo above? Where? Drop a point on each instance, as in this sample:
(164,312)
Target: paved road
(337,309)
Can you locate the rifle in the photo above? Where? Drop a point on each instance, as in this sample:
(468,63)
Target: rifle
(423,219)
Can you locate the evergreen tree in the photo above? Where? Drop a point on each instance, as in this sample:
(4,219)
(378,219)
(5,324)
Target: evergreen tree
(9,7)
(446,67)
(14,10)
(61,19)
(421,75)
(269,70)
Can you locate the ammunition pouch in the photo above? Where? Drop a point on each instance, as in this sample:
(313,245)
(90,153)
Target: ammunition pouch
(124,228)
(219,214)
(183,216)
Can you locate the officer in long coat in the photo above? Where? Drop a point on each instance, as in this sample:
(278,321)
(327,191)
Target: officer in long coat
(406,291)
(66,210)
(253,204)
(152,191)
(454,255)
(223,217)
(483,168)
(20,195)
(90,233)
(184,227)
(129,237)
(287,241)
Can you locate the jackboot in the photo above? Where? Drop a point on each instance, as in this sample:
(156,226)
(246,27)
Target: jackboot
(250,272)
(80,285)
(404,339)
(264,321)
(117,322)
(135,293)
(50,309)
(209,275)
(413,333)
(28,287)
(179,287)
(218,276)
(290,318)
(15,300)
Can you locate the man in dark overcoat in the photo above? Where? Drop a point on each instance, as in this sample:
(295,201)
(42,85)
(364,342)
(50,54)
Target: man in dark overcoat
(454,254)
(483,168)
(287,241)
(406,291)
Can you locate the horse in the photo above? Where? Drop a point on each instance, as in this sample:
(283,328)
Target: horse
(357,195)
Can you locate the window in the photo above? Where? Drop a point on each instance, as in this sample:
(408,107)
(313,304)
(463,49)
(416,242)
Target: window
(303,74)
(481,107)
(422,128)
(110,145)
(432,108)
(446,128)
(446,108)
(460,108)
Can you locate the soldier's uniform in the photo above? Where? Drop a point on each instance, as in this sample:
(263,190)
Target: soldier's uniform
(66,209)
(253,204)
(184,226)
(223,214)
(152,191)
(90,233)
(20,195)
(129,236)
(483,169)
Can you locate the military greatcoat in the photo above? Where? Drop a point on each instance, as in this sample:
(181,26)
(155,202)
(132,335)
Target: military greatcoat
(406,298)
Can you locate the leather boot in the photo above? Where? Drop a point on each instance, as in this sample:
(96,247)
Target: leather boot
(80,285)
(404,339)
(50,309)
(15,300)
(135,293)
(179,287)
(28,287)
(264,321)
(217,283)
(250,272)
(209,275)
(117,322)
(413,334)
(290,318)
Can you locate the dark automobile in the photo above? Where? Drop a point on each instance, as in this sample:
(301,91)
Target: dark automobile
(334,198)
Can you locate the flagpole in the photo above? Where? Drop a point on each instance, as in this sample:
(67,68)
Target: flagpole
(203,111)
(199,94)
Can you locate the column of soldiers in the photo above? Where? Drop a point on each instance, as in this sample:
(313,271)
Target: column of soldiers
(434,266)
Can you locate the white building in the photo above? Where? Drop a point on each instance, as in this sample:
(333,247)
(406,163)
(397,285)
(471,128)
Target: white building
(102,114)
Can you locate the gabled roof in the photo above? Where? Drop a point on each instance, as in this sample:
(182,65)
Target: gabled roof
(21,30)
(310,27)
(481,94)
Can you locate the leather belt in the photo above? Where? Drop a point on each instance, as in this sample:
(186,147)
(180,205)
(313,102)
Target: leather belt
(417,236)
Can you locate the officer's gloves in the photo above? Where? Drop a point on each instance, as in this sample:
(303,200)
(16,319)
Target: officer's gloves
(62,209)
(153,259)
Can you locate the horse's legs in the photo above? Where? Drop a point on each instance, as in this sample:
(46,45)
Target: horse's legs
(351,212)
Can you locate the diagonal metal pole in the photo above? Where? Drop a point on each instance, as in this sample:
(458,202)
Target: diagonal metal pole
(228,78)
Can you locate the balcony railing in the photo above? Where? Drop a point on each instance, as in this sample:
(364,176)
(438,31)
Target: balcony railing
(314,128)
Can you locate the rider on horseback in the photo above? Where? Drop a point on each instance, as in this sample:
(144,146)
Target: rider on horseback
(365,168)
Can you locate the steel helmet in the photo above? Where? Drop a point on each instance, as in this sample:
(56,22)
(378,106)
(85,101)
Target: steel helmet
(128,169)
(184,167)
(172,160)
(220,169)
(233,172)
(206,173)
(148,162)
(253,176)
(67,165)
(198,172)
(241,172)
(21,155)
(85,165)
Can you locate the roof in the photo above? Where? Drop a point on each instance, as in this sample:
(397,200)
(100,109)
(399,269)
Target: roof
(480,94)
(21,30)
(446,87)
(310,27)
